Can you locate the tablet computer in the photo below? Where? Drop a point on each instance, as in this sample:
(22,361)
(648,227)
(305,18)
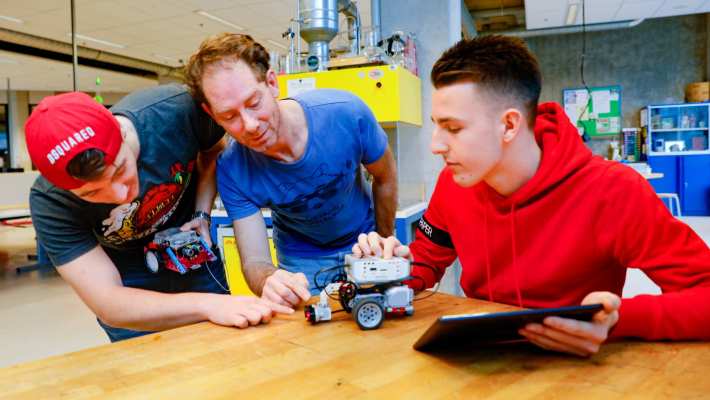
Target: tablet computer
(488,328)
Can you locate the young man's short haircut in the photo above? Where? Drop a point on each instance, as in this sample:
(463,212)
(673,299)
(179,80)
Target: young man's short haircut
(225,47)
(87,165)
(502,65)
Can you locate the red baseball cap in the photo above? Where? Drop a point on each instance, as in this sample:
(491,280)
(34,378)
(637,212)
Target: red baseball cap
(65,125)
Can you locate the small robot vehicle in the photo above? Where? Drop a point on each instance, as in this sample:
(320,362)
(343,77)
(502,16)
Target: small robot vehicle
(177,250)
(373,288)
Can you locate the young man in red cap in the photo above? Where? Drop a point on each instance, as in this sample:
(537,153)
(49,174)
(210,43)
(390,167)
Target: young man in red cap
(536,220)
(110,180)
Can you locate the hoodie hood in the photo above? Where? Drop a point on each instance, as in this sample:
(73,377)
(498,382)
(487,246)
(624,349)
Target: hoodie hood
(563,153)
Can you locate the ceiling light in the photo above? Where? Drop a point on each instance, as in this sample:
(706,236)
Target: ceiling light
(99,41)
(572,13)
(218,19)
(277,44)
(11,19)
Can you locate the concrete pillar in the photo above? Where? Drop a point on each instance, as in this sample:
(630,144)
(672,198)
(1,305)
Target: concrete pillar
(18,110)
(437,26)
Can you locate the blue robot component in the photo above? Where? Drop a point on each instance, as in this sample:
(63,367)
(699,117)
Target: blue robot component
(178,251)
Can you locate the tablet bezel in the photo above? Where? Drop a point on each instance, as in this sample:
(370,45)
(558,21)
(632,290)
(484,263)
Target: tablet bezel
(501,326)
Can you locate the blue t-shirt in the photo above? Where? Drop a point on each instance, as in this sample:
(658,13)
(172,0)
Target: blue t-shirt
(320,203)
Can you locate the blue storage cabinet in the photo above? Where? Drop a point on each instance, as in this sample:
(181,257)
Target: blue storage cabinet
(695,184)
(677,146)
(688,176)
(670,168)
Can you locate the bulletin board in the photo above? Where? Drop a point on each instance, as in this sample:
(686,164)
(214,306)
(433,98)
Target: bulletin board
(599,115)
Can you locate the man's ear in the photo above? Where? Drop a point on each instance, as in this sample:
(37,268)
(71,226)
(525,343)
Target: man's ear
(512,120)
(207,109)
(272,82)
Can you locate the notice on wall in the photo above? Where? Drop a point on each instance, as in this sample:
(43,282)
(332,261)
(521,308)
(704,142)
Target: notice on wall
(596,111)
(575,103)
(297,86)
(601,102)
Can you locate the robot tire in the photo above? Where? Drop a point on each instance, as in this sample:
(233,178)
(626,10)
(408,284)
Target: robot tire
(369,314)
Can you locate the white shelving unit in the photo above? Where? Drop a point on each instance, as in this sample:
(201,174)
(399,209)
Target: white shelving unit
(678,129)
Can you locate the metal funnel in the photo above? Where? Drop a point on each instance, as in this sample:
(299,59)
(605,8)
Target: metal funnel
(319,25)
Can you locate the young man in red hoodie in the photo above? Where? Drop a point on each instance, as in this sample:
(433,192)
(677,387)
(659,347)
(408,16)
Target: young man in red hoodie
(536,220)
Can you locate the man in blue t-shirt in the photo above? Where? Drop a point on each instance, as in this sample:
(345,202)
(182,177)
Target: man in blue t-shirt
(110,180)
(300,157)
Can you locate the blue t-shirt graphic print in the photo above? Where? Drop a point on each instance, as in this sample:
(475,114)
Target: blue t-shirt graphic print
(320,203)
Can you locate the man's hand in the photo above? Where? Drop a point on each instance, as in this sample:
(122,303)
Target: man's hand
(573,336)
(373,244)
(241,311)
(201,226)
(286,288)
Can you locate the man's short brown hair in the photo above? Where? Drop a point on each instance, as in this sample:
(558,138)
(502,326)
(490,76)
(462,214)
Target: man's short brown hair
(501,65)
(224,47)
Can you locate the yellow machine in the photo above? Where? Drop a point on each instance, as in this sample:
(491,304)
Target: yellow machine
(233,266)
(392,93)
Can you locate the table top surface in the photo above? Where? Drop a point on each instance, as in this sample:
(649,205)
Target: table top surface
(290,358)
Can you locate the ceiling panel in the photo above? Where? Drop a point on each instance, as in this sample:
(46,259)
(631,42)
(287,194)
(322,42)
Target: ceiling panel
(47,24)
(598,11)
(635,10)
(32,73)
(218,4)
(679,7)
(545,18)
(161,31)
(248,18)
(279,10)
(167,31)
(21,9)
(539,13)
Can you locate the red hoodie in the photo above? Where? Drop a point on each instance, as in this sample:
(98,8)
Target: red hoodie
(571,230)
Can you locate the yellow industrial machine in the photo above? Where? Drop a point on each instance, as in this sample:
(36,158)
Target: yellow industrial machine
(233,266)
(392,92)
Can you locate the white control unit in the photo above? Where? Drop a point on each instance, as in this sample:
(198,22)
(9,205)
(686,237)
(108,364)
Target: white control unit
(375,270)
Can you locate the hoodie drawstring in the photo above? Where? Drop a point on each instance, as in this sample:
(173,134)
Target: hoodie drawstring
(515,256)
(485,246)
(518,292)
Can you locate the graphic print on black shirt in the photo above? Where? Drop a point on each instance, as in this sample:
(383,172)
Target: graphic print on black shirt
(142,217)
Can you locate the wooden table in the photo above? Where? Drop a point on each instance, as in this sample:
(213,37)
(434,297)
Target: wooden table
(290,359)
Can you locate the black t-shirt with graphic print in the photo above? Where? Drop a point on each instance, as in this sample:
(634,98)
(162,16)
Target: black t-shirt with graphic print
(172,129)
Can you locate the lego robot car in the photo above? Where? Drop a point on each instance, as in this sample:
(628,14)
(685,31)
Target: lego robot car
(374,288)
(177,251)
